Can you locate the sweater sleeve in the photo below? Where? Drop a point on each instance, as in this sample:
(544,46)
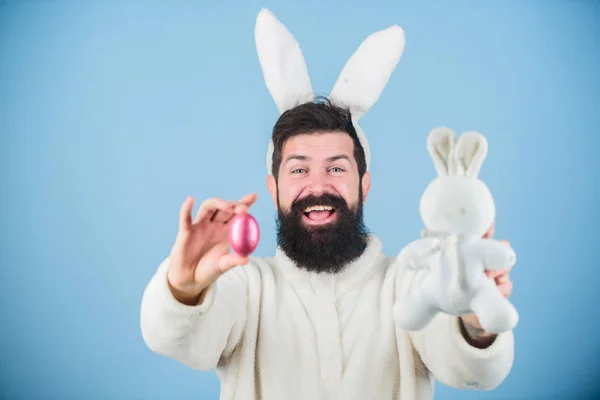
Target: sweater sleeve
(447,355)
(198,336)
(455,363)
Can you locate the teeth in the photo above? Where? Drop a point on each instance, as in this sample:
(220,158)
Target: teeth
(318,208)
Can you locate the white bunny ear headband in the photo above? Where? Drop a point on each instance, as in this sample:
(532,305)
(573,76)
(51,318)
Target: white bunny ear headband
(357,88)
(451,156)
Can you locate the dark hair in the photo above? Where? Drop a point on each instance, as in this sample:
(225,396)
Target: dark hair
(319,115)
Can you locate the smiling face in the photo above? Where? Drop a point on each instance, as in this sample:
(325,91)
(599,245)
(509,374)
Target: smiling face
(319,195)
(314,165)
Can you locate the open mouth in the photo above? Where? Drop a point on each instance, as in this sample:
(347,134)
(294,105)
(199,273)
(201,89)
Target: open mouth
(318,215)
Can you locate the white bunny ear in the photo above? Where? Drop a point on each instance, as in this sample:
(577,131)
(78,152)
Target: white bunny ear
(470,152)
(283,66)
(366,74)
(282,62)
(368,70)
(440,144)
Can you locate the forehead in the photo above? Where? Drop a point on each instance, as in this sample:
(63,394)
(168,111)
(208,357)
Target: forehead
(319,144)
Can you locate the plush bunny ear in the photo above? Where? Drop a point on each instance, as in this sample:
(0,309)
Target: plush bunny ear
(282,62)
(440,144)
(470,152)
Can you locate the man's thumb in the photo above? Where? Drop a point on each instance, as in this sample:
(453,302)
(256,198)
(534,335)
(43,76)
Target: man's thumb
(231,260)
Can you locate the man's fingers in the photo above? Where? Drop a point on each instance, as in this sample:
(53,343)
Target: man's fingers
(241,206)
(494,273)
(249,199)
(231,260)
(185,214)
(499,275)
(220,216)
(490,233)
(210,209)
(502,280)
(225,216)
(506,288)
(219,210)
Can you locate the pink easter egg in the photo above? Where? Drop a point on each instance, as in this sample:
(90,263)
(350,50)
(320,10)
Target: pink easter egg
(244,234)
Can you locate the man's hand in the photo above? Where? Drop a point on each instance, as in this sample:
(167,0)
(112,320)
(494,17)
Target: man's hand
(200,253)
(471,329)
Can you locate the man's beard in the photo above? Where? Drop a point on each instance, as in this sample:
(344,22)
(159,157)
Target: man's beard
(322,248)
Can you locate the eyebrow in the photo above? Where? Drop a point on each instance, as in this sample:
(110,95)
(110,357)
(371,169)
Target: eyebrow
(339,157)
(295,157)
(305,158)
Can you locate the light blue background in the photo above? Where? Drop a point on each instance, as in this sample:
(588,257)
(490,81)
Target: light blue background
(111,113)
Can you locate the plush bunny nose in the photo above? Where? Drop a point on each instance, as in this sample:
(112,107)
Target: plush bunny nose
(458,212)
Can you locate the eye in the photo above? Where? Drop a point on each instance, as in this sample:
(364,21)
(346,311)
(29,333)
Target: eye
(298,170)
(336,170)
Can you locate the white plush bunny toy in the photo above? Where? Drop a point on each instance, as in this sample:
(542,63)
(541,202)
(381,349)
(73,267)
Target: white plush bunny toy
(457,209)
(357,88)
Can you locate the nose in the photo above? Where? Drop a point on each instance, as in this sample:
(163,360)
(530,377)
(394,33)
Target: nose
(319,184)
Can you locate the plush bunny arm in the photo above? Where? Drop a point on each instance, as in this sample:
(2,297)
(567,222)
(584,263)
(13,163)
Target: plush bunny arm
(417,254)
(197,336)
(494,254)
(495,313)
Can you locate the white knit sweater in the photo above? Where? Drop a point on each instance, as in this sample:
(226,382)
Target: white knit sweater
(275,332)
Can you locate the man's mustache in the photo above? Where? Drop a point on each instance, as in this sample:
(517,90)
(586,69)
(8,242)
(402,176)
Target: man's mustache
(326,199)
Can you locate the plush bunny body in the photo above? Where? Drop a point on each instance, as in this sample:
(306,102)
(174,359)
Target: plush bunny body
(457,209)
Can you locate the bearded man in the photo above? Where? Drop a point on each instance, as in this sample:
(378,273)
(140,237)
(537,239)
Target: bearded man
(315,320)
